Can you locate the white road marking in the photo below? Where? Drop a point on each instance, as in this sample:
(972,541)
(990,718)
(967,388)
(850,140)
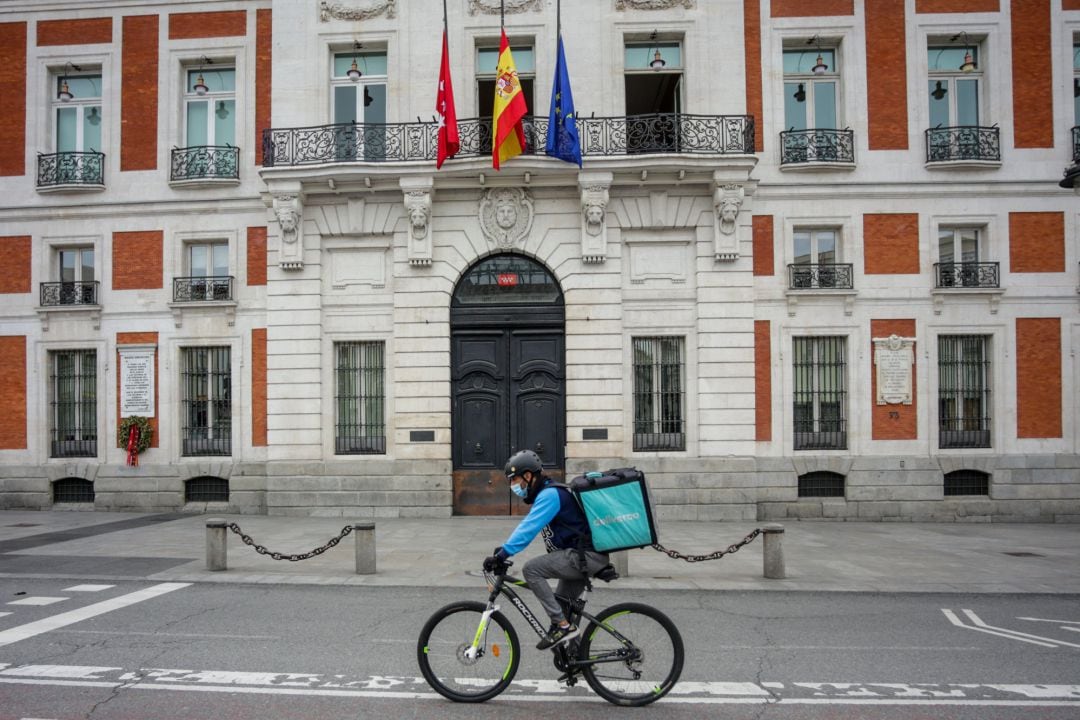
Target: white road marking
(87,588)
(975,619)
(38,600)
(1071,622)
(959,623)
(2,614)
(28,630)
(182,635)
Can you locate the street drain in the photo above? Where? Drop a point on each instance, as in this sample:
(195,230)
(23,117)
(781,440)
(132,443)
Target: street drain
(1024,554)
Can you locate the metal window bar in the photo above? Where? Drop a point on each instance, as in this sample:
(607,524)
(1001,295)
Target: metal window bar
(963,391)
(966,274)
(206,489)
(967,482)
(360,398)
(659,393)
(206,380)
(69,293)
(73,490)
(821,483)
(73,403)
(207,287)
(820,394)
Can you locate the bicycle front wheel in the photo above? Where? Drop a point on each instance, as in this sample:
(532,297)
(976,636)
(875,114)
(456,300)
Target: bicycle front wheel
(634,654)
(449,663)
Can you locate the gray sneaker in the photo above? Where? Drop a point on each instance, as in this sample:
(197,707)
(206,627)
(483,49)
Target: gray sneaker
(557,635)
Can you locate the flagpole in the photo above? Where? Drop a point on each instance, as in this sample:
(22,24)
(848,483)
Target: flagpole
(558,21)
(502,14)
(444,25)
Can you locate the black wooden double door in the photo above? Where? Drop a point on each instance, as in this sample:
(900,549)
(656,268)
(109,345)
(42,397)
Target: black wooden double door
(508,395)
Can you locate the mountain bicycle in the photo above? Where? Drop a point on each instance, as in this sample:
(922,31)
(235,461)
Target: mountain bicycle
(629,654)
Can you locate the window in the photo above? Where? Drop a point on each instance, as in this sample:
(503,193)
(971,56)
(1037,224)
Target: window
(821,483)
(967,482)
(210,107)
(954,94)
(653,82)
(964,391)
(206,387)
(206,489)
(820,393)
(487,62)
(815,256)
(960,259)
(359,105)
(1076,83)
(360,398)
(73,403)
(208,273)
(77,108)
(811,83)
(75,271)
(73,490)
(659,393)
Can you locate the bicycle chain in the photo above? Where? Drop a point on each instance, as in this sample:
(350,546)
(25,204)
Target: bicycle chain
(282,556)
(711,556)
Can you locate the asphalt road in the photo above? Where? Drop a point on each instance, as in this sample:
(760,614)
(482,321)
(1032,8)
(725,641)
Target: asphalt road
(75,649)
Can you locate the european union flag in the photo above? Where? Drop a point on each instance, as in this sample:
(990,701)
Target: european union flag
(562,140)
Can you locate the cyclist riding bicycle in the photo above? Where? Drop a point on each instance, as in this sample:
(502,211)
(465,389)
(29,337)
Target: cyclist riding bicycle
(570,555)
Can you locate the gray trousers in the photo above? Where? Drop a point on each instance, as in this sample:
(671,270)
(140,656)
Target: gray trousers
(566,566)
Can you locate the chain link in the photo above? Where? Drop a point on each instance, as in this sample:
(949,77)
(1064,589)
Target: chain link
(292,558)
(712,556)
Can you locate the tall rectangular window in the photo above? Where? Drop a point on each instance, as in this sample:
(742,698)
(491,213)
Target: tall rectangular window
(358,91)
(77,108)
(210,107)
(954,93)
(206,400)
(73,403)
(360,395)
(1076,83)
(820,395)
(811,86)
(659,393)
(964,391)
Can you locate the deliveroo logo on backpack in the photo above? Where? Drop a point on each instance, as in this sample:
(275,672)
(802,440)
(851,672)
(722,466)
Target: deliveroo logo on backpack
(615,515)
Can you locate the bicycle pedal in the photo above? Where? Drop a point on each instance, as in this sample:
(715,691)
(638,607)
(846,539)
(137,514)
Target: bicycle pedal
(569,678)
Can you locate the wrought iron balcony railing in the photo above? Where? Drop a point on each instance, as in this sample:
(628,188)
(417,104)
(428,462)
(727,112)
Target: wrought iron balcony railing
(816,276)
(205,162)
(817,146)
(1076,144)
(963,143)
(966,275)
(55,294)
(193,289)
(605,136)
(71,168)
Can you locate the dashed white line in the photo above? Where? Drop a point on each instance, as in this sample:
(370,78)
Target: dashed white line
(38,600)
(87,588)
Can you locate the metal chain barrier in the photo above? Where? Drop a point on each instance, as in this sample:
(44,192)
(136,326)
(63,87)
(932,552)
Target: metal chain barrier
(711,556)
(292,558)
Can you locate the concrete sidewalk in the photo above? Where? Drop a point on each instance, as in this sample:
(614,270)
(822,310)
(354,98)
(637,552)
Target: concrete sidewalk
(820,556)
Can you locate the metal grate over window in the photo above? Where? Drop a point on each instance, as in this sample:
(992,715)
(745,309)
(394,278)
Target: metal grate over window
(659,393)
(73,403)
(360,398)
(73,490)
(964,391)
(206,489)
(821,483)
(206,386)
(967,482)
(820,393)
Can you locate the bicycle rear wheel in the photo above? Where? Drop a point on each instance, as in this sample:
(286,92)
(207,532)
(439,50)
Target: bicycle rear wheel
(639,667)
(442,652)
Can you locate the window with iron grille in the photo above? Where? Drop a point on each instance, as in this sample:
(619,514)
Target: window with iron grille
(73,403)
(821,483)
(967,482)
(206,397)
(360,398)
(659,393)
(73,490)
(820,394)
(964,391)
(206,489)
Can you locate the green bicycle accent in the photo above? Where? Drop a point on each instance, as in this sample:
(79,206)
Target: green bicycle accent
(425,649)
(509,665)
(607,627)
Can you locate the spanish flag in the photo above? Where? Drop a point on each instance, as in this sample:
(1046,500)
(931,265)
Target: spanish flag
(508,135)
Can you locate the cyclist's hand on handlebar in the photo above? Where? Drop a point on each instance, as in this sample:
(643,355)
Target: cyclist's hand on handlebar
(496,562)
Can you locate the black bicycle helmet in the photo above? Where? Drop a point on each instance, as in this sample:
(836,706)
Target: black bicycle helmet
(521,461)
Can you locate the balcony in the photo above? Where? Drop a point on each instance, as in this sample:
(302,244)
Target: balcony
(966,275)
(965,146)
(213,288)
(205,165)
(817,149)
(816,276)
(71,171)
(56,294)
(600,137)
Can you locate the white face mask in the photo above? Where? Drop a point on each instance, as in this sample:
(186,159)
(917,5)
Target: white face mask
(519,490)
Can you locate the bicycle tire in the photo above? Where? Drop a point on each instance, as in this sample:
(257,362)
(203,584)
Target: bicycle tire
(644,679)
(440,652)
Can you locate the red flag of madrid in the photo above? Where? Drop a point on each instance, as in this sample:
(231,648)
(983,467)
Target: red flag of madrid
(444,106)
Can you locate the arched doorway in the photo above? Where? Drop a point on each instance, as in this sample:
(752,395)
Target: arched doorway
(508,381)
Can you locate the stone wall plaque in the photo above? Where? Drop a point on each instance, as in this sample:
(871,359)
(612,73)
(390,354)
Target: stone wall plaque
(894,357)
(136,382)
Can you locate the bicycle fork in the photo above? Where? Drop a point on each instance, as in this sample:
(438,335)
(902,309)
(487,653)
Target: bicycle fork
(473,650)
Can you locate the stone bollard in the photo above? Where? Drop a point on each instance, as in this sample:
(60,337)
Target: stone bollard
(365,547)
(621,562)
(774,551)
(215,544)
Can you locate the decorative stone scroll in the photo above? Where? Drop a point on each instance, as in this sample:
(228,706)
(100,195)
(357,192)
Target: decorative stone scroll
(727,200)
(340,11)
(506,216)
(622,5)
(290,217)
(893,360)
(418,208)
(594,200)
(513,7)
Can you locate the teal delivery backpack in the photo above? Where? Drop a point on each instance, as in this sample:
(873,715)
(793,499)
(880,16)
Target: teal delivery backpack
(618,508)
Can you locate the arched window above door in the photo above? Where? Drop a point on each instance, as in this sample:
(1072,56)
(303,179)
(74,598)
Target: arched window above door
(507,280)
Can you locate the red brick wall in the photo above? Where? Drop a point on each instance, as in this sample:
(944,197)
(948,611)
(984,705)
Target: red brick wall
(263,59)
(137,260)
(891,244)
(258,387)
(763,245)
(1032,73)
(86,31)
(13,397)
(256,255)
(1036,242)
(811,8)
(138,338)
(1070,4)
(894,422)
(139,93)
(886,76)
(1038,377)
(752,50)
(956,6)
(207,24)
(762,382)
(15,262)
(13,90)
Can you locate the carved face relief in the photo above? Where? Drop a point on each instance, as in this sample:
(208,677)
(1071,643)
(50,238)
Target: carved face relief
(506,215)
(418,221)
(728,210)
(287,210)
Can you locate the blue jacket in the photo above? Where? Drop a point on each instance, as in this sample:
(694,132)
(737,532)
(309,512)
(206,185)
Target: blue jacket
(557,514)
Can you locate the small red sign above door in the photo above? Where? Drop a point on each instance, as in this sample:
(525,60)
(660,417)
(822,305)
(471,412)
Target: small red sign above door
(507,279)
